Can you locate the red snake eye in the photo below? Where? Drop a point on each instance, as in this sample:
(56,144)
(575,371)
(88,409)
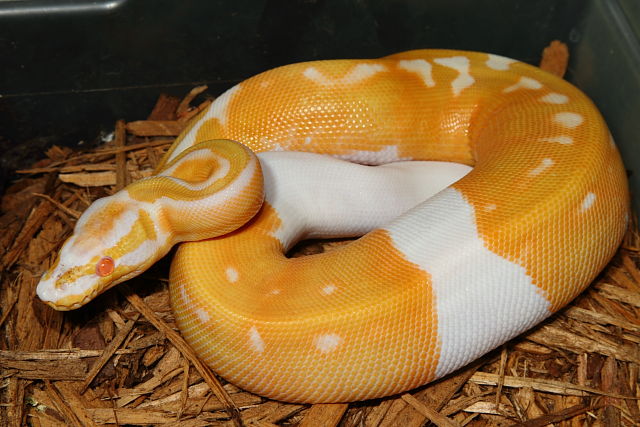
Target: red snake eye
(105,266)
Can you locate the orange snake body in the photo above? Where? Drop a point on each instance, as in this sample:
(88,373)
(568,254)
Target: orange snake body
(514,240)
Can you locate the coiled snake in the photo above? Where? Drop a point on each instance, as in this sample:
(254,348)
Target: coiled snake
(487,257)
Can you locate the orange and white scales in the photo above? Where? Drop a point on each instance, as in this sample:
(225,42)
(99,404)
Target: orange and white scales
(457,257)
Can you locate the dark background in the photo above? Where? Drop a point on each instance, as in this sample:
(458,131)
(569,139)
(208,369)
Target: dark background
(69,69)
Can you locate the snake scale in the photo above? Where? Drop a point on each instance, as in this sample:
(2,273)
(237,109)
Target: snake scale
(526,202)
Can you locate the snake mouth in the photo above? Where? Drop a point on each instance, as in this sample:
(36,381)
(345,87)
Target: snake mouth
(70,302)
(61,298)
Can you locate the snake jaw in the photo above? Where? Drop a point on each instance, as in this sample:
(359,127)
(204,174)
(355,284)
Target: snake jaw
(70,302)
(74,280)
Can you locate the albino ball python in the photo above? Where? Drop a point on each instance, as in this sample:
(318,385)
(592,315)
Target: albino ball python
(489,256)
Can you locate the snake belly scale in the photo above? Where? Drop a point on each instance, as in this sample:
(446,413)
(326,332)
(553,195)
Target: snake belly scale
(515,239)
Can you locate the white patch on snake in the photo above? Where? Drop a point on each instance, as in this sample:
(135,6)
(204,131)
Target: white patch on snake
(481,299)
(560,139)
(314,75)
(185,297)
(328,342)
(568,119)
(524,83)
(256,340)
(490,207)
(357,74)
(421,67)
(544,165)
(218,109)
(203,315)
(555,98)
(587,202)
(232,274)
(275,291)
(329,289)
(387,154)
(461,65)
(499,63)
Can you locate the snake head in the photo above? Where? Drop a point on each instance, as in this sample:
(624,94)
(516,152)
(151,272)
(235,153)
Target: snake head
(114,240)
(206,191)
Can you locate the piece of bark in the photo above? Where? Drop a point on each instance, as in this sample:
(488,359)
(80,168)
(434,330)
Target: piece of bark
(155,128)
(324,414)
(555,58)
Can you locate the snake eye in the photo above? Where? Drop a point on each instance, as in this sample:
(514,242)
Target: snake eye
(105,266)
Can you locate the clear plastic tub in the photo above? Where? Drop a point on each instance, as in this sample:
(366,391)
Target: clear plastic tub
(70,68)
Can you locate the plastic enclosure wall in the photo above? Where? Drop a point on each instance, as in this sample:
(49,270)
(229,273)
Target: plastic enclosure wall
(70,68)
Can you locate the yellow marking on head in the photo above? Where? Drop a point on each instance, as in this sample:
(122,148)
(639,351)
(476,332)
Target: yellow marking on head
(147,223)
(143,229)
(74,273)
(149,190)
(101,222)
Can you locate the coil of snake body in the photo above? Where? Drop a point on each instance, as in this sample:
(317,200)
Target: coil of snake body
(494,251)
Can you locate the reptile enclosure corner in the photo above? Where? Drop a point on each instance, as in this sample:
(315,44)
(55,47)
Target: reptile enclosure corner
(91,95)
